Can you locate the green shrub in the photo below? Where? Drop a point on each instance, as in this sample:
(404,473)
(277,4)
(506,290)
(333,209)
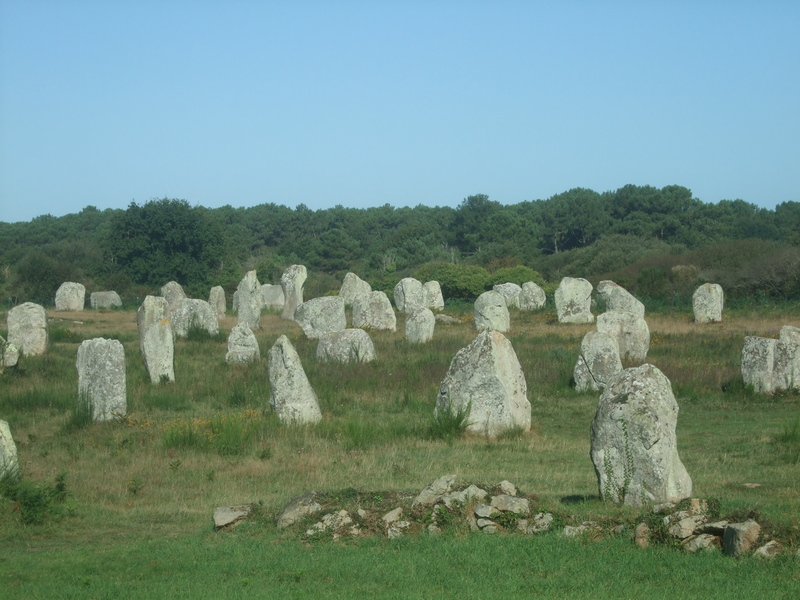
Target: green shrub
(456,281)
(36,503)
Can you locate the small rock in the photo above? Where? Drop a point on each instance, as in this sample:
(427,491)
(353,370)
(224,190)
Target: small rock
(485,511)
(396,530)
(392,516)
(434,529)
(473,492)
(769,550)
(641,535)
(490,529)
(297,508)
(434,492)
(230,516)
(541,522)
(332,522)
(362,513)
(739,538)
(519,506)
(448,320)
(483,523)
(686,527)
(704,541)
(570,531)
(508,488)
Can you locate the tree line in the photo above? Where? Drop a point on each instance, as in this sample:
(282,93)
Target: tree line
(653,241)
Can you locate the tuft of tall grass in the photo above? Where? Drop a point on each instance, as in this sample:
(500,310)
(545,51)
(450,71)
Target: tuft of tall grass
(789,441)
(82,415)
(450,423)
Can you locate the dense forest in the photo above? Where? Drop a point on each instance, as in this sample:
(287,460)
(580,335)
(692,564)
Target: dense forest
(659,243)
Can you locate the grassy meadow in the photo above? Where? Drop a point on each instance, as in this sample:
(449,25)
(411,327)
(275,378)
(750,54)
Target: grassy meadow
(133,518)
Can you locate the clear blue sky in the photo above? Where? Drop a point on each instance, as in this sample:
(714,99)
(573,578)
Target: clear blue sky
(363,103)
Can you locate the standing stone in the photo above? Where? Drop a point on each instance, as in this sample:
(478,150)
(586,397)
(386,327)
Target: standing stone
(790,335)
(98,300)
(235,302)
(532,297)
(419,326)
(250,301)
(242,346)
(486,379)
(217,300)
(101,378)
(510,291)
(707,302)
(194,313)
(9,355)
(347,346)
(618,298)
(70,296)
(156,338)
(409,295)
(770,365)
(290,395)
(321,315)
(631,332)
(173,293)
(292,282)
(573,299)
(490,312)
(353,286)
(27,328)
(598,362)
(634,448)
(9,463)
(273,297)
(374,312)
(433,295)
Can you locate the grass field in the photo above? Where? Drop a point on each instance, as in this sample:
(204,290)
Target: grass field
(141,491)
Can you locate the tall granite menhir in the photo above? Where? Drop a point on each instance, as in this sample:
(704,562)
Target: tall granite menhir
(101,378)
(292,282)
(291,395)
(156,338)
(633,443)
(250,301)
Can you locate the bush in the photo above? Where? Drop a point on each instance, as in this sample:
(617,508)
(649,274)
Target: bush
(36,503)
(456,281)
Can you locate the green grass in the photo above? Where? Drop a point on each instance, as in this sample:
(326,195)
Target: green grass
(143,488)
(206,565)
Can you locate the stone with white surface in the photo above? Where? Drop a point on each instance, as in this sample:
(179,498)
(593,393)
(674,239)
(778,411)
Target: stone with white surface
(101,378)
(70,296)
(573,300)
(291,395)
(28,329)
(486,379)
